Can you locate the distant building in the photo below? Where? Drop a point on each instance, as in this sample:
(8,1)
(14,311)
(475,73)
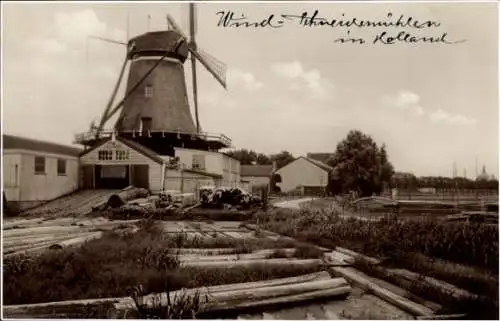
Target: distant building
(305,174)
(255,176)
(484,176)
(36,171)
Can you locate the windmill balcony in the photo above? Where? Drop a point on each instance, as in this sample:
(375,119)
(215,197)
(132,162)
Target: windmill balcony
(89,138)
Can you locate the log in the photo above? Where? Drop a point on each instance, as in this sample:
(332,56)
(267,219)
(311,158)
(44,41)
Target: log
(126,303)
(332,293)
(244,297)
(121,198)
(187,209)
(13,242)
(412,276)
(26,248)
(357,255)
(39,238)
(33,250)
(401,302)
(28,232)
(258,255)
(275,236)
(203,251)
(267,262)
(79,240)
(443,317)
(21,223)
(337,258)
(65,243)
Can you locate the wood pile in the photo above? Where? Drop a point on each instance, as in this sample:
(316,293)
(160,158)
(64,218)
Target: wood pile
(78,203)
(220,298)
(121,198)
(37,235)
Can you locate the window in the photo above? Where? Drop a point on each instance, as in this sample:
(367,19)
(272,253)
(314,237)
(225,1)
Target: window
(61,167)
(148,91)
(105,155)
(39,165)
(122,154)
(198,162)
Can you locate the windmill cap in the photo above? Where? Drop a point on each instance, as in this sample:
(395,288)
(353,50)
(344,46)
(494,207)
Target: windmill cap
(159,43)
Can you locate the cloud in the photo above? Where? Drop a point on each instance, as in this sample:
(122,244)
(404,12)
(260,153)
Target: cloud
(245,79)
(441,116)
(404,100)
(77,26)
(319,87)
(69,33)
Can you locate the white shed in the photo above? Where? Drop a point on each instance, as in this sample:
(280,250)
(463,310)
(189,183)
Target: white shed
(37,171)
(304,173)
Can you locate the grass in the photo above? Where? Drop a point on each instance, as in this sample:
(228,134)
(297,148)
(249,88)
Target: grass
(463,254)
(110,266)
(473,244)
(181,306)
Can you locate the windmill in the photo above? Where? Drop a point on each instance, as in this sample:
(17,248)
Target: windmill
(155,105)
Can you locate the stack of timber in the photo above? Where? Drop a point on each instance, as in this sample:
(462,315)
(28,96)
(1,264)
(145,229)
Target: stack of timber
(37,235)
(256,296)
(78,203)
(121,198)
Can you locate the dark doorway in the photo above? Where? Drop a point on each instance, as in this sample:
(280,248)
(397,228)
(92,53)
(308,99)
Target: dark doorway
(87,176)
(146,124)
(140,176)
(112,176)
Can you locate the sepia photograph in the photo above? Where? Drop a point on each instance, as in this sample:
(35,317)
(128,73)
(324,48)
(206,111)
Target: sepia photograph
(288,160)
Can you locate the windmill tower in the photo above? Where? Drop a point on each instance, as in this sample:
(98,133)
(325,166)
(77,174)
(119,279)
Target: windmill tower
(155,111)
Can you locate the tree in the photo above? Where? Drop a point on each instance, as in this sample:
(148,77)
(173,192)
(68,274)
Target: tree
(263,159)
(275,179)
(282,159)
(246,157)
(359,165)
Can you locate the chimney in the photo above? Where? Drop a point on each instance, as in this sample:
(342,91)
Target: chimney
(274,167)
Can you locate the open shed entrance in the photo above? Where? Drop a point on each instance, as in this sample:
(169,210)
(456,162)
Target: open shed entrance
(112,176)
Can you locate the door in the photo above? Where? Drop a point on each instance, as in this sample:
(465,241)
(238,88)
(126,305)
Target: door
(111,176)
(146,124)
(140,176)
(87,177)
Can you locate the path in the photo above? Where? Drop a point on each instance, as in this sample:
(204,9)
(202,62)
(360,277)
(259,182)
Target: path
(293,203)
(296,204)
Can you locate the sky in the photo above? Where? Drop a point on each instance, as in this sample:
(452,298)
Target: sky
(291,88)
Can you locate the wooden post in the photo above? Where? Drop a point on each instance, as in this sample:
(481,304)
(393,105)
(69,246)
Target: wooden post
(265,196)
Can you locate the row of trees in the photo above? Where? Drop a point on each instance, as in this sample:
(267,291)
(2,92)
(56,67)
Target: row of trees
(248,157)
(360,165)
(408,181)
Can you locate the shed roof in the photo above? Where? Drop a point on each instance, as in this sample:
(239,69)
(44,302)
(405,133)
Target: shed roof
(17,142)
(322,157)
(256,170)
(319,164)
(200,172)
